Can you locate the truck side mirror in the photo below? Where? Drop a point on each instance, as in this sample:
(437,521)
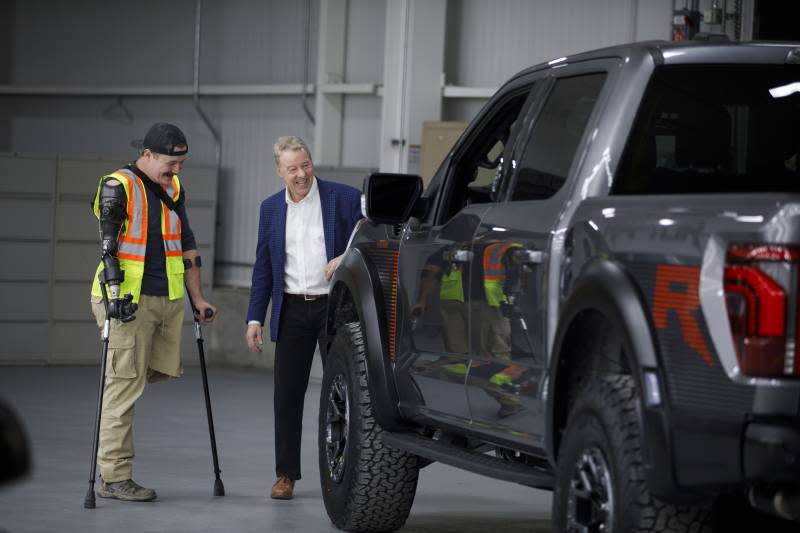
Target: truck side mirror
(391,198)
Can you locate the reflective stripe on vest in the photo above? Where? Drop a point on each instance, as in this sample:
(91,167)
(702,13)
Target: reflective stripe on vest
(132,242)
(171,222)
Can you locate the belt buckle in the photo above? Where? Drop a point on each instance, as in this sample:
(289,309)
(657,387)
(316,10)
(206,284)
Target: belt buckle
(310,297)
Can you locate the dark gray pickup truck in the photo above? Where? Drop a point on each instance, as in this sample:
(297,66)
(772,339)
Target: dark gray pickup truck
(596,294)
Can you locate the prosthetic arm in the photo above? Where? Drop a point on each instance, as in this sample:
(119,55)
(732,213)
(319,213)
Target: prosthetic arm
(112,216)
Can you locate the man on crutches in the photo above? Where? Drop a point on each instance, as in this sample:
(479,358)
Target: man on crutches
(148,253)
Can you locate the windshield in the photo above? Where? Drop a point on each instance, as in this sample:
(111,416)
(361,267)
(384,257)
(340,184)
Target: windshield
(715,128)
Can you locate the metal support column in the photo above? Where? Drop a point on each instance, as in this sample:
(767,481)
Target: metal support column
(412,76)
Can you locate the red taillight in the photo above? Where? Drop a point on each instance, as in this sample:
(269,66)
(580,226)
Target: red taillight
(761,296)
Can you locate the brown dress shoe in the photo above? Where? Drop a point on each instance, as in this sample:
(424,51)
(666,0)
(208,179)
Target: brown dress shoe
(282,489)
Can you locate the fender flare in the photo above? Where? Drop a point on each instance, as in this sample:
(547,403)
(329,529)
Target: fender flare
(356,275)
(605,286)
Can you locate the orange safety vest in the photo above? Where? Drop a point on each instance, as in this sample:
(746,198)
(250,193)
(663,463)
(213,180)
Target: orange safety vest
(132,242)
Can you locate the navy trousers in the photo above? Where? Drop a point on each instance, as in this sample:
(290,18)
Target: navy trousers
(301,330)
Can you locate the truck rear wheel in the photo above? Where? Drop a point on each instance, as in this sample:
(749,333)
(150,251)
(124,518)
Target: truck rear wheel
(600,484)
(366,485)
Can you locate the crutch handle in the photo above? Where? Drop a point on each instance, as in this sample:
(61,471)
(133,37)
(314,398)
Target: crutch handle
(209,312)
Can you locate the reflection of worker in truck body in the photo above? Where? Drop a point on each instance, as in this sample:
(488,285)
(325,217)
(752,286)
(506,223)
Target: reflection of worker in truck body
(485,295)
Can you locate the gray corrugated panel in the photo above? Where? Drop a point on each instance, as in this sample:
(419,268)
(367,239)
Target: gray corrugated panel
(201,183)
(84,43)
(76,342)
(25,261)
(71,300)
(24,343)
(76,261)
(22,218)
(80,127)
(75,220)
(366,29)
(78,178)
(202,222)
(489,41)
(26,175)
(24,301)
(94,42)
(26,226)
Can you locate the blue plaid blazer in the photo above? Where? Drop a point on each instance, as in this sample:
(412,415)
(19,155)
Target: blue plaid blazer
(341,209)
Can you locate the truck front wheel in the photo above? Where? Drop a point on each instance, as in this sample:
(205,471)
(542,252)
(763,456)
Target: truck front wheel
(366,485)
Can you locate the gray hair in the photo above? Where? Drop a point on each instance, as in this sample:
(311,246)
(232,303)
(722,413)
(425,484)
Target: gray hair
(289,142)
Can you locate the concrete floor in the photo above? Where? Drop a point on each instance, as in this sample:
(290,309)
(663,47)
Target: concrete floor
(173,456)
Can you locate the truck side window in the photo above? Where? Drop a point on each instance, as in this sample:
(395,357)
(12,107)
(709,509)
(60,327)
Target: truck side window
(693,137)
(473,172)
(555,136)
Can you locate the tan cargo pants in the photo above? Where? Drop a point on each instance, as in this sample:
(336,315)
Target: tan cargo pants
(147,348)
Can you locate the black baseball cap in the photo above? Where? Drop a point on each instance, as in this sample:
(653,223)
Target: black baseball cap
(167,139)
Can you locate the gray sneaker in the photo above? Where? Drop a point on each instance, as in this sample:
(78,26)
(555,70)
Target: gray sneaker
(127,490)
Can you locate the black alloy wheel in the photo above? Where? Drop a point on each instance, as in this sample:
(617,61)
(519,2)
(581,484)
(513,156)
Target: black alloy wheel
(337,427)
(590,500)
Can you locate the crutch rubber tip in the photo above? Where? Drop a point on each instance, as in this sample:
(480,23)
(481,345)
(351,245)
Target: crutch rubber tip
(88,501)
(219,488)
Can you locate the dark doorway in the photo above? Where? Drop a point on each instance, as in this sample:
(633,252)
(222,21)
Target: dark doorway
(776,21)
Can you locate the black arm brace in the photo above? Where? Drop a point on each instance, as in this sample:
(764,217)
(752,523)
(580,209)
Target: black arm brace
(112,204)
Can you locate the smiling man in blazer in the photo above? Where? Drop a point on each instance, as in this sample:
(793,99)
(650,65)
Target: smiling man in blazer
(302,233)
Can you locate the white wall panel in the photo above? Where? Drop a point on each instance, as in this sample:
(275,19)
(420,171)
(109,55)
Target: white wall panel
(653,20)
(362,127)
(366,26)
(256,41)
(249,127)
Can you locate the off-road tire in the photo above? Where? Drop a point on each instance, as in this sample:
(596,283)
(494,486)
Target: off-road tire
(377,484)
(604,419)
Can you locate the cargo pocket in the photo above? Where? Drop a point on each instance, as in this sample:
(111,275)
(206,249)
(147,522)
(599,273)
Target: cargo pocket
(122,359)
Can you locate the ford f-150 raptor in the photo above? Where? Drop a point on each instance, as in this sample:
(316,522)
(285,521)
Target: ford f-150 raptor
(597,294)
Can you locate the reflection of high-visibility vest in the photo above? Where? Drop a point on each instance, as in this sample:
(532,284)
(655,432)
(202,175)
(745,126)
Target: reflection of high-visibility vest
(494,273)
(452,289)
(507,376)
(494,276)
(132,242)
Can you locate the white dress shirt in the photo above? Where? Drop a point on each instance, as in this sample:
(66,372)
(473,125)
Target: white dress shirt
(306,259)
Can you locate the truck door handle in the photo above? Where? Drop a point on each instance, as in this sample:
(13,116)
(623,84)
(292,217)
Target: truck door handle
(529,257)
(462,256)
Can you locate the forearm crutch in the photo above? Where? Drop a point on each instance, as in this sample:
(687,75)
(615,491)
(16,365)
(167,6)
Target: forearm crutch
(89,501)
(219,488)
